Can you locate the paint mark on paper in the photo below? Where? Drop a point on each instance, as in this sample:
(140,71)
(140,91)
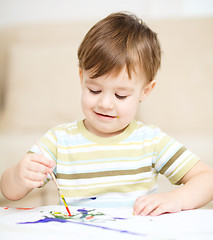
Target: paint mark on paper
(81,215)
(86,218)
(46,220)
(26,208)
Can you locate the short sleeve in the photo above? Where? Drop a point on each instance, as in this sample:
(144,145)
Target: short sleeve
(49,145)
(173,159)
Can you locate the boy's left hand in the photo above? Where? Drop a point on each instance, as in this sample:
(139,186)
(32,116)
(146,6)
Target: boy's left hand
(156,204)
(196,191)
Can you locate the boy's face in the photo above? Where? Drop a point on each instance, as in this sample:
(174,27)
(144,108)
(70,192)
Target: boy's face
(110,102)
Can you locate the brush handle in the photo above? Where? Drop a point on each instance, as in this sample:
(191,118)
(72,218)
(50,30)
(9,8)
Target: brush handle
(52,174)
(54,179)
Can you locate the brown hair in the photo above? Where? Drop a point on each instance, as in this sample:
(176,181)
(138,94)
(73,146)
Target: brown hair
(120,40)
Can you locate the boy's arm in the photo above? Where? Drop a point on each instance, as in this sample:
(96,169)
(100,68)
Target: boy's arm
(10,186)
(196,192)
(29,173)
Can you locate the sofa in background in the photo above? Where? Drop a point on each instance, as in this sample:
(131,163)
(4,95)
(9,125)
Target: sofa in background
(39,88)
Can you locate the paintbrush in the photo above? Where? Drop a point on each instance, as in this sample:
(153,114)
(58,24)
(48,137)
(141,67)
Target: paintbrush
(54,179)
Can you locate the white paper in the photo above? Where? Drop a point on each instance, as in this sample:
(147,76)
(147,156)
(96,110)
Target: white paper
(104,224)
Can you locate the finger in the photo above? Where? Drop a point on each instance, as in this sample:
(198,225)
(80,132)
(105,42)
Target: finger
(139,205)
(158,211)
(165,208)
(42,159)
(38,167)
(33,184)
(35,176)
(32,180)
(149,208)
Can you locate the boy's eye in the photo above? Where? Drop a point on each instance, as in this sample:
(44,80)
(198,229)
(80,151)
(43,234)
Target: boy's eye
(120,97)
(94,92)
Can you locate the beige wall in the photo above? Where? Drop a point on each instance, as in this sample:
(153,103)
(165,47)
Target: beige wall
(39,84)
(182,102)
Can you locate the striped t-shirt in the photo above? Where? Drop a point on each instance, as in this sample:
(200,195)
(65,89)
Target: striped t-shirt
(114,171)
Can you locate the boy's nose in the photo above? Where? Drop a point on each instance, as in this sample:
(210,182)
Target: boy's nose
(106,102)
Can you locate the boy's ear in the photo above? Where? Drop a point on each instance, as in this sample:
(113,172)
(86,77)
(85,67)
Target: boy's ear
(147,89)
(81,75)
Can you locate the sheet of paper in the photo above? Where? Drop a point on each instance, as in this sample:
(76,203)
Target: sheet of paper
(52,222)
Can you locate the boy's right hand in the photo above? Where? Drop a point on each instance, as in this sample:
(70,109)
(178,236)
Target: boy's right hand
(33,169)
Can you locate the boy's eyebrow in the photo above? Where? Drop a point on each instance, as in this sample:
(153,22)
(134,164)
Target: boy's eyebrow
(89,81)
(122,88)
(129,89)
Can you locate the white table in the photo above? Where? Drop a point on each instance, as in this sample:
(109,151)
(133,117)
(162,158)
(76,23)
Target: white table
(39,223)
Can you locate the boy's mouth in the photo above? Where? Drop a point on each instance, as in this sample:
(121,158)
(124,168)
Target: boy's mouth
(105,115)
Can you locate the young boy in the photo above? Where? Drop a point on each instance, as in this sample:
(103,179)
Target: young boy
(109,156)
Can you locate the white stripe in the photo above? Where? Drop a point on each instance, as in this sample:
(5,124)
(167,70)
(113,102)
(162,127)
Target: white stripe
(105,166)
(181,166)
(50,137)
(115,199)
(109,179)
(169,152)
(104,185)
(178,162)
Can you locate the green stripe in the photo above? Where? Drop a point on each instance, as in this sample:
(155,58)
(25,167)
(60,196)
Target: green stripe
(103,174)
(116,188)
(106,154)
(178,176)
(172,159)
(47,142)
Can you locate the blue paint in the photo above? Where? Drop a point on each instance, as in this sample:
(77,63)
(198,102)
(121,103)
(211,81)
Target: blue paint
(83,211)
(51,219)
(110,229)
(119,218)
(46,220)
(93,198)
